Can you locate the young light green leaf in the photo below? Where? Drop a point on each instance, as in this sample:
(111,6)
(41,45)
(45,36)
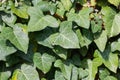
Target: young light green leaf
(21,11)
(17,37)
(66,38)
(114,2)
(101,41)
(93,66)
(43,79)
(60,10)
(43,62)
(27,72)
(82,18)
(67,4)
(38,21)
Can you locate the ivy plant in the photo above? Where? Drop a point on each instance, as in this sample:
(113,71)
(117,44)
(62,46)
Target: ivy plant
(59,39)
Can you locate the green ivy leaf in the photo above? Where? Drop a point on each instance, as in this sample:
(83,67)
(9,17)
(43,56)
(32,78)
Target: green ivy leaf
(88,37)
(101,41)
(9,19)
(43,62)
(66,38)
(67,4)
(115,46)
(4,49)
(38,21)
(102,3)
(35,2)
(111,20)
(84,39)
(82,18)
(5,75)
(83,73)
(60,10)
(17,37)
(109,59)
(46,6)
(59,76)
(112,62)
(110,78)
(66,68)
(76,60)
(93,66)
(103,73)
(43,37)
(61,52)
(62,39)
(115,30)
(81,38)
(96,24)
(82,2)
(75,73)
(12,60)
(114,65)
(27,72)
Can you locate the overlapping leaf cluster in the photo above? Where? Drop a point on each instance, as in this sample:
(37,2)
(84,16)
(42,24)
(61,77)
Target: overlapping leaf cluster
(59,40)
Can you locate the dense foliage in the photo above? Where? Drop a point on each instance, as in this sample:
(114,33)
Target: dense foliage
(59,40)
